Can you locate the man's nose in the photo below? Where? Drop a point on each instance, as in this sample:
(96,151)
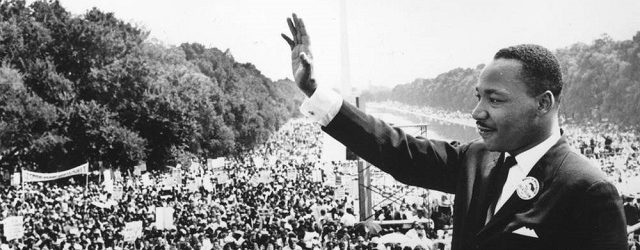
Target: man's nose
(479,113)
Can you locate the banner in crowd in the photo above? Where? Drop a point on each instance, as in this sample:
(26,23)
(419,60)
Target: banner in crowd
(29,176)
(132,231)
(164,218)
(13,227)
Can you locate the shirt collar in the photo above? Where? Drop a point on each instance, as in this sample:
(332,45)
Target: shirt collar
(527,159)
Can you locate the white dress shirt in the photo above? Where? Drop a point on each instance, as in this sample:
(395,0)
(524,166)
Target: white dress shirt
(322,106)
(525,162)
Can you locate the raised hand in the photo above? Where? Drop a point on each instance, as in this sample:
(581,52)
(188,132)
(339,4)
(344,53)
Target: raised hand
(301,58)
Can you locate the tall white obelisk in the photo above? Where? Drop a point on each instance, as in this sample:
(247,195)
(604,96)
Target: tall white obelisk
(345,77)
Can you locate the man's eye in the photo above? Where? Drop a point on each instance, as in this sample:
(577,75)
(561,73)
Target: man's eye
(493,100)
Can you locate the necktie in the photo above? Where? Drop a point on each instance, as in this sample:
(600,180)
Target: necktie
(497,184)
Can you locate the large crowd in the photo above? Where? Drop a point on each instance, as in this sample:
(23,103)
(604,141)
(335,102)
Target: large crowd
(280,195)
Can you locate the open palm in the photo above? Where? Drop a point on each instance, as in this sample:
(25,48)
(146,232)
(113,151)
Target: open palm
(301,58)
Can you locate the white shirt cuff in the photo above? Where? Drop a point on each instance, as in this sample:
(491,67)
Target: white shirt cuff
(322,106)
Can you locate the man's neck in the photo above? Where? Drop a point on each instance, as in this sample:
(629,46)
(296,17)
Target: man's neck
(552,130)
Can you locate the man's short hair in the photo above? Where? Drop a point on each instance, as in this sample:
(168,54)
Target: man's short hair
(540,68)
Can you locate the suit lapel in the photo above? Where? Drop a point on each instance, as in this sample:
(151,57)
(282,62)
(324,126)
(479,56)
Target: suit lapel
(480,190)
(543,171)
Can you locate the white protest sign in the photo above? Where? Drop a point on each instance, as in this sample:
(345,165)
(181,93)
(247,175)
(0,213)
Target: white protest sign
(216,163)
(138,169)
(132,231)
(177,176)
(258,161)
(108,185)
(206,183)
(192,186)
(13,227)
(316,175)
(164,218)
(340,193)
(223,178)
(117,175)
(15,179)
(146,180)
(195,167)
(266,177)
(107,174)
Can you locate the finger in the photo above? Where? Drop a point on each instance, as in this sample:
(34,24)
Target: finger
(300,27)
(294,33)
(304,37)
(289,41)
(296,22)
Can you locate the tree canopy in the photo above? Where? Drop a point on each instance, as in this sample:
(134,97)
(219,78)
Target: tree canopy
(94,88)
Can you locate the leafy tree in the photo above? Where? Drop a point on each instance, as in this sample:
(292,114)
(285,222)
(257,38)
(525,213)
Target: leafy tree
(93,88)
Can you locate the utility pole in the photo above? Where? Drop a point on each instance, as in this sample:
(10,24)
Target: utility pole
(364,181)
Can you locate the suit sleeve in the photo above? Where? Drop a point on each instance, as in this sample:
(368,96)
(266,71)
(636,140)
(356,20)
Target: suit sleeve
(412,160)
(603,217)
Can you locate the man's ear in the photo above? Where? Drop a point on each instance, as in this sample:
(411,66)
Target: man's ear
(546,102)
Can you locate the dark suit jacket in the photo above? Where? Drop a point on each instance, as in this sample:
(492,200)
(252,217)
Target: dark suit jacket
(576,207)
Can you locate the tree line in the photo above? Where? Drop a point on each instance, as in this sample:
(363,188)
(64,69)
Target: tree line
(601,84)
(91,87)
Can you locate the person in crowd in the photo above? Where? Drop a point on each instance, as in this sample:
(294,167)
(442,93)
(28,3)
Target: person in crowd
(631,210)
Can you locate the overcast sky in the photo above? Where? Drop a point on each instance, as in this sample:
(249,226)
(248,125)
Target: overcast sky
(390,42)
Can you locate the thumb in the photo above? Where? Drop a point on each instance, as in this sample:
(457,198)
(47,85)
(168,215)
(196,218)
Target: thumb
(304,58)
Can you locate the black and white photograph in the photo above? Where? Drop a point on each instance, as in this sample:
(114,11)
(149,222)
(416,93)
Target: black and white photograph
(319,125)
